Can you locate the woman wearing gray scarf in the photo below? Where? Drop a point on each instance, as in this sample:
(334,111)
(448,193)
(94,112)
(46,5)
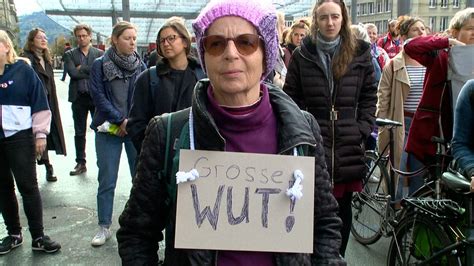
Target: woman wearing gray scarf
(111,86)
(331,76)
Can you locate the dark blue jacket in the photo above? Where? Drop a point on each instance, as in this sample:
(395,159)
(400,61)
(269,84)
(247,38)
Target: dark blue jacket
(101,93)
(21,95)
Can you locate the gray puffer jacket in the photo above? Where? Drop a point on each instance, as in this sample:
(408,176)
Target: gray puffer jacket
(145,214)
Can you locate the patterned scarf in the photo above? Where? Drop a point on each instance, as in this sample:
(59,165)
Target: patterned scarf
(119,66)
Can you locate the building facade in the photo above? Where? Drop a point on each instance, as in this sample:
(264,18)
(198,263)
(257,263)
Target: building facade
(435,13)
(9,19)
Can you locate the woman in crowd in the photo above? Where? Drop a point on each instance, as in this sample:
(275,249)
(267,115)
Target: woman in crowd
(280,67)
(434,116)
(463,142)
(332,77)
(176,73)
(398,94)
(25,123)
(36,49)
(376,51)
(361,33)
(233,111)
(111,86)
(298,31)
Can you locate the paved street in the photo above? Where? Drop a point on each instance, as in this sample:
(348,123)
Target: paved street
(70,210)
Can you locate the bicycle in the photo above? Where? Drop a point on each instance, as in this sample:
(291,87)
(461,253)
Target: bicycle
(373,210)
(431,233)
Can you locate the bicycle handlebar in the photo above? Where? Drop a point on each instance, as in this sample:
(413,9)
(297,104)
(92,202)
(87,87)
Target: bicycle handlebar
(382,122)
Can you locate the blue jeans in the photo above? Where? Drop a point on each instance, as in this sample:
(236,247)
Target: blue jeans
(109,149)
(409,163)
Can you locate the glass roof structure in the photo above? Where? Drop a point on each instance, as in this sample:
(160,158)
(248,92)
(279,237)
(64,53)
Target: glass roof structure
(148,15)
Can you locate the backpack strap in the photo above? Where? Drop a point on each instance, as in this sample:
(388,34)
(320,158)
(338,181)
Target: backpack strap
(182,143)
(174,125)
(168,138)
(154,82)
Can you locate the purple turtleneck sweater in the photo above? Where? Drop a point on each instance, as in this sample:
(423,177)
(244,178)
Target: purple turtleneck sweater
(250,129)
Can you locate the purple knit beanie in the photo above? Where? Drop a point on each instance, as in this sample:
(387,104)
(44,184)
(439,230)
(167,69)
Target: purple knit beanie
(260,13)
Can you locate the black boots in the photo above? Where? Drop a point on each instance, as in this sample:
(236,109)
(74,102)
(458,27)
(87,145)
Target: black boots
(50,173)
(79,169)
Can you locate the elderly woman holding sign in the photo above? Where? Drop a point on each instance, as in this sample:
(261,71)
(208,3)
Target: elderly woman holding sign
(232,111)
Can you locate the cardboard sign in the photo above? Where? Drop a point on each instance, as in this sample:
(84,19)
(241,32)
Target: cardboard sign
(239,202)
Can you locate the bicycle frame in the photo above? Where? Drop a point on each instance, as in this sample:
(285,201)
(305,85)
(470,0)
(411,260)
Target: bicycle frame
(463,245)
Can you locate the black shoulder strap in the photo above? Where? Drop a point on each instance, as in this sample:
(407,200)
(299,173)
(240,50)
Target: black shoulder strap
(174,124)
(154,82)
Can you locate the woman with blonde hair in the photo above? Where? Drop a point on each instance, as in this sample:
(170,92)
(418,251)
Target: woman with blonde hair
(36,49)
(25,123)
(111,86)
(298,31)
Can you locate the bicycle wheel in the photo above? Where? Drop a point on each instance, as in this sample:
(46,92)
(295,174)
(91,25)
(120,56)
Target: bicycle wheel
(367,206)
(418,238)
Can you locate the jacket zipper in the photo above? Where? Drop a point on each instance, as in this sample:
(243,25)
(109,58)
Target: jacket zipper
(333,115)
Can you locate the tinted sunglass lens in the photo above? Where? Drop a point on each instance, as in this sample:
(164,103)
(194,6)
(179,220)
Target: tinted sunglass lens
(247,43)
(215,45)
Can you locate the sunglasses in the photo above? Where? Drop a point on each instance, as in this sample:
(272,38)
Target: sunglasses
(246,44)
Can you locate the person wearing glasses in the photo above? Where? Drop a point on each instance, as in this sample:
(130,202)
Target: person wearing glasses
(25,122)
(78,62)
(36,49)
(111,86)
(331,76)
(298,31)
(233,111)
(176,72)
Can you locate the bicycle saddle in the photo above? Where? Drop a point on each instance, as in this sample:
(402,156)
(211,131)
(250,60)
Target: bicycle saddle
(382,122)
(455,181)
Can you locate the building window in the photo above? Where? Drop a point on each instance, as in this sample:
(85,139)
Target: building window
(432,3)
(378,24)
(456,3)
(358,10)
(371,8)
(443,23)
(379,6)
(387,6)
(444,3)
(432,24)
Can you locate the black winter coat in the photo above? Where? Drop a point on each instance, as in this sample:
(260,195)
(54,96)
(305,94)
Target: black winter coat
(170,97)
(353,100)
(144,216)
(55,140)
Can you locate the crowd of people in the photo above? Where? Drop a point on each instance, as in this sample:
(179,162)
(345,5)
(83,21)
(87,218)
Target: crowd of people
(248,85)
